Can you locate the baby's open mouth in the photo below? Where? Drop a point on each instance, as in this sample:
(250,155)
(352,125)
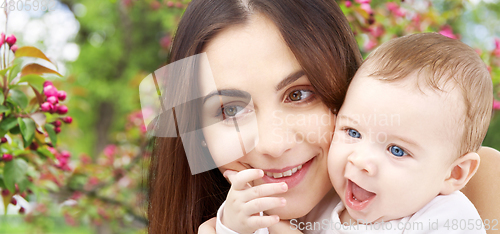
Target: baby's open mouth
(357,198)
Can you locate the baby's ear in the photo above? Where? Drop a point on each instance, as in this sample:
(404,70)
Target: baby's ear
(460,172)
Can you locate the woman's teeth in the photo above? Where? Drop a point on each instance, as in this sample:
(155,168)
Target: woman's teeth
(284,174)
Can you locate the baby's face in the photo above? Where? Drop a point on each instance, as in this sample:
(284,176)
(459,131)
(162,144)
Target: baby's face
(393,147)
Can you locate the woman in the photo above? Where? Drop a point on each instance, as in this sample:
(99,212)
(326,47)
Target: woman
(295,59)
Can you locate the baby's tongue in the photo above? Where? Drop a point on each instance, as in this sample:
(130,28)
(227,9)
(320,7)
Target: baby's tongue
(360,194)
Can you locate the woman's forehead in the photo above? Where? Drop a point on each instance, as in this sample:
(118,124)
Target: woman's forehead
(248,55)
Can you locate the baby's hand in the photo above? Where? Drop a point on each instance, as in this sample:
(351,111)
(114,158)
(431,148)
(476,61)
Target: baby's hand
(244,202)
(283,226)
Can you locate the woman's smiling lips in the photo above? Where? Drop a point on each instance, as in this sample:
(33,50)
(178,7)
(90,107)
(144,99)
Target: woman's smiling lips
(291,175)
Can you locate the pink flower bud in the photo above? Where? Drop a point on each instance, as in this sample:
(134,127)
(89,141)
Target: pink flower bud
(11,40)
(170,4)
(13,48)
(7,157)
(348,3)
(2,38)
(363,1)
(61,95)
(46,106)
(370,44)
(179,5)
(13,201)
(57,123)
(67,119)
(33,146)
(165,41)
(47,83)
(65,154)
(5,192)
(62,109)
(496,105)
(4,140)
(52,99)
(50,90)
(57,129)
(22,210)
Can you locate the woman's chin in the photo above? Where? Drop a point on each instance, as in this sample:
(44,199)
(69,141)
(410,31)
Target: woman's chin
(290,211)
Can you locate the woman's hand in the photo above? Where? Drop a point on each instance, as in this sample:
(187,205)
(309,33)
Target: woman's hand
(208,227)
(244,202)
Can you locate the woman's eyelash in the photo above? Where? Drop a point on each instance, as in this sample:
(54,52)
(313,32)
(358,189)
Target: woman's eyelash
(305,96)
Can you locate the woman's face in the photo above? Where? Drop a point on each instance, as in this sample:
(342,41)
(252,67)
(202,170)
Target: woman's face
(286,130)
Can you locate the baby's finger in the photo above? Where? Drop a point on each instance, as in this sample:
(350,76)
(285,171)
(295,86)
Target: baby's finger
(262,204)
(241,179)
(258,222)
(263,190)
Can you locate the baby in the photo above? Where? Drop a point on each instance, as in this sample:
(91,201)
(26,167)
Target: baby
(406,138)
(405,142)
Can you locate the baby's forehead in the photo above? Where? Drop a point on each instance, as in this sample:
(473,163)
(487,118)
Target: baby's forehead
(412,97)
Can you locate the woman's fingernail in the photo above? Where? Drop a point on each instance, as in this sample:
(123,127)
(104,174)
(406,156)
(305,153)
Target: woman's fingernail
(284,186)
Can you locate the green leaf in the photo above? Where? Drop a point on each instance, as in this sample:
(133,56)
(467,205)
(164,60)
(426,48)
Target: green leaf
(27,126)
(19,98)
(34,80)
(15,130)
(14,172)
(4,71)
(14,70)
(8,123)
(45,152)
(37,69)
(52,133)
(30,51)
(4,109)
(2,98)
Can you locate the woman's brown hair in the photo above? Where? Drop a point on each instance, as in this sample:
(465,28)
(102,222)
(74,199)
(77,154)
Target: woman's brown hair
(319,36)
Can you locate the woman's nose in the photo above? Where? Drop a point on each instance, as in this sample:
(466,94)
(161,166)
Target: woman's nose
(364,160)
(275,136)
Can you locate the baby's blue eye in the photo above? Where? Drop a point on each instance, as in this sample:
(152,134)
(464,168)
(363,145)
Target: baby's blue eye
(353,133)
(397,151)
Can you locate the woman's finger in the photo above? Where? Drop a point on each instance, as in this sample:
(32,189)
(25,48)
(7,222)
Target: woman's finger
(262,204)
(263,190)
(258,222)
(240,180)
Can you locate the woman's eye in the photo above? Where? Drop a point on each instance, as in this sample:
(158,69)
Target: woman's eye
(299,95)
(231,111)
(397,151)
(353,133)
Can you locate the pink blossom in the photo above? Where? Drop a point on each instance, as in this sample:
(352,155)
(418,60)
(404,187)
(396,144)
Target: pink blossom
(391,6)
(370,44)
(367,8)
(497,47)
(348,3)
(448,32)
(2,38)
(165,41)
(13,48)
(377,31)
(363,1)
(110,150)
(496,105)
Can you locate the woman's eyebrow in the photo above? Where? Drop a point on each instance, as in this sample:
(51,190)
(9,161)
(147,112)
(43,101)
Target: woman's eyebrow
(227,92)
(289,79)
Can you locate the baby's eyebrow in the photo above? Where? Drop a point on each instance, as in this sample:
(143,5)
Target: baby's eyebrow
(407,140)
(354,121)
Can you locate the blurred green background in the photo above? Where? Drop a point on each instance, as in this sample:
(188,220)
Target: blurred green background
(105,48)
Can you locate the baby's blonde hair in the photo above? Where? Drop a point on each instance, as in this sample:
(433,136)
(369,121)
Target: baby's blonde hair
(441,60)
